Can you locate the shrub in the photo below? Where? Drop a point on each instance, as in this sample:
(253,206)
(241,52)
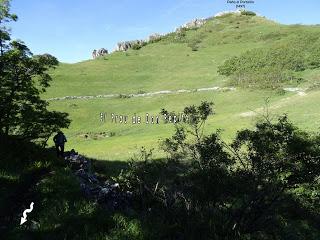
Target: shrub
(124,96)
(313,59)
(248,13)
(180,35)
(266,67)
(194,44)
(137,46)
(155,38)
(254,188)
(141,92)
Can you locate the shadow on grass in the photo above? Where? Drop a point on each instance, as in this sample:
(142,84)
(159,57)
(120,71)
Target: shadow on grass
(28,174)
(108,168)
(63,211)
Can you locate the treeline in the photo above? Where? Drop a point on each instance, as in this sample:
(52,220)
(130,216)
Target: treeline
(271,67)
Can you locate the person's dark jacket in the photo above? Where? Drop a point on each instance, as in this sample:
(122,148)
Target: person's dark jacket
(59,139)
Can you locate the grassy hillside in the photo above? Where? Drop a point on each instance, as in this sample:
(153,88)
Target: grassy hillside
(188,59)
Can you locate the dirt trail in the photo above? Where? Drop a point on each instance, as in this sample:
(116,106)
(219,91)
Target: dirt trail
(281,103)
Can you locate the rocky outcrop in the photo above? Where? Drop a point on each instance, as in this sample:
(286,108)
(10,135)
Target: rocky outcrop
(154,37)
(107,194)
(136,44)
(195,23)
(124,46)
(99,53)
(102,52)
(94,54)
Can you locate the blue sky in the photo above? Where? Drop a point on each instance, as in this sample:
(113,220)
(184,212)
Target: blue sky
(71,29)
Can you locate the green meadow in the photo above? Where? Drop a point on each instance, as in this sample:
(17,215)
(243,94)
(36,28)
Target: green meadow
(185,60)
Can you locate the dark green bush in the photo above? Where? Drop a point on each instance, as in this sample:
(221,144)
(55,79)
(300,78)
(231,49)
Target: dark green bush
(124,96)
(248,13)
(194,44)
(271,67)
(257,187)
(137,46)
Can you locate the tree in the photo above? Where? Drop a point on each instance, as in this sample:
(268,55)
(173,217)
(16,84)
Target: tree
(23,77)
(263,185)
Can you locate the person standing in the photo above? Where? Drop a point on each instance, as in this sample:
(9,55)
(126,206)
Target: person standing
(59,140)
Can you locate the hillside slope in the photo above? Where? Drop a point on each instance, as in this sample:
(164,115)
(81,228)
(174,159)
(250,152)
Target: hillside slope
(185,60)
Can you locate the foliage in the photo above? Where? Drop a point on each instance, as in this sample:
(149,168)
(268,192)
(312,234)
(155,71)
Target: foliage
(270,67)
(264,185)
(176,146)
(23,77)
(124,96)
(156,38)
(257,187)
(60,209)
(180,35)
(248,13)
(194,44)
(314,55)
(137,46)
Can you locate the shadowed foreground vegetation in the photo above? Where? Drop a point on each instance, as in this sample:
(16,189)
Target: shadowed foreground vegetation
(29,173)
(264,185)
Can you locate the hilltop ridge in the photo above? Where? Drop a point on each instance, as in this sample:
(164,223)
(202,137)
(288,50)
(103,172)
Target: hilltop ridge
(193,24)
(191,56)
